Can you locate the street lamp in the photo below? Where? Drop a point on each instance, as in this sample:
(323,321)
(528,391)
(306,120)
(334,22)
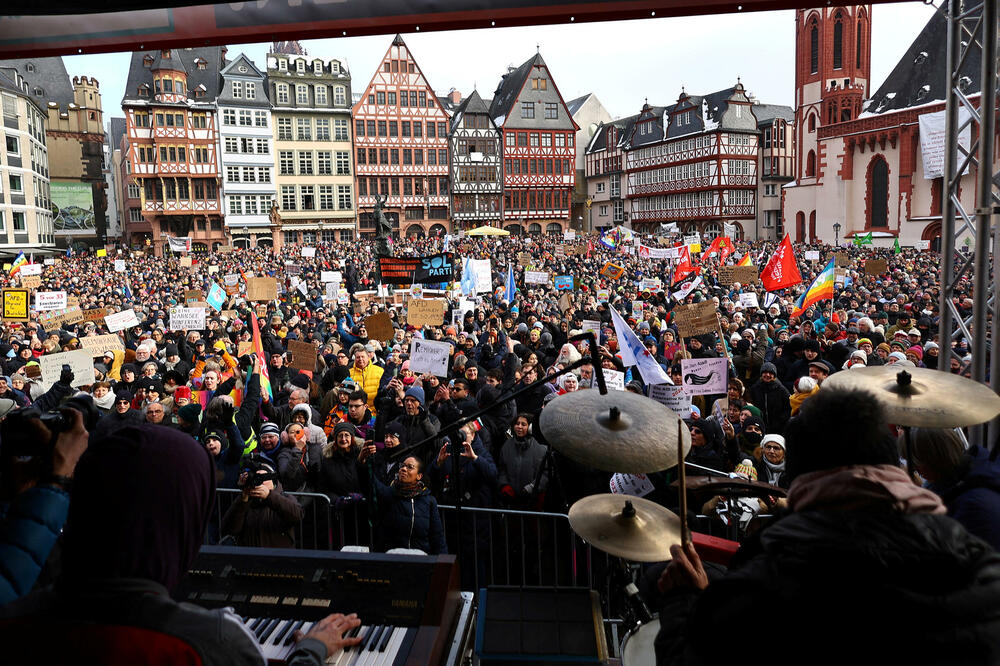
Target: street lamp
(836,234)
(246,233)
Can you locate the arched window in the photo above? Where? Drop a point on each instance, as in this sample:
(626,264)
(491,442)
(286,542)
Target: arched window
(534,228)
(838,40)
(812,227)
(553,228)
(813,48)
(811,164)
(878,192)
(812,122)
(712,229)
(800,227)
(860,39)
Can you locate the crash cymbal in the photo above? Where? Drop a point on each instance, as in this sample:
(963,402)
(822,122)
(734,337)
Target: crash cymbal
(922,397)
(629,527)
(617,432)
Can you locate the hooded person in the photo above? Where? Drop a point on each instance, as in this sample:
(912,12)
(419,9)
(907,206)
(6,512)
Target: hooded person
(264,516)
(418,424)
(121,416)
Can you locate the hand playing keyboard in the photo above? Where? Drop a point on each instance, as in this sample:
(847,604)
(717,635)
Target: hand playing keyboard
(330,631)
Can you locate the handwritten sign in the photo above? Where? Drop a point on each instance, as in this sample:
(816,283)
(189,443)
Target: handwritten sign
(186,262)
(696,319)
(614,380)
(15,305)
(742,274)
(60,317)
(704,376)
(187,319)
(49,300)
(97,345)
(31,281)
(524,259)
(225,249)
(425,312)
(192,295)
(673,397)
(875,266)
(429,356)
(119,265)
(536,277)
(262,289)
(121,320)
(749,300)
(331,276)
(303,355)
(812,255)
(922,244)
(95,314)
(79,361)
(308,252)
(841,259)
(379,326)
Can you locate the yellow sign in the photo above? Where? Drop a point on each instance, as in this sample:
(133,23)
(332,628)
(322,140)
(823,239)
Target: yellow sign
(15,305)
(102,253)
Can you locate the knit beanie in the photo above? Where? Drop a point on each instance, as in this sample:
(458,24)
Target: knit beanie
(270,428)
(416,392)
(190,413)
(344,426)
(769,367)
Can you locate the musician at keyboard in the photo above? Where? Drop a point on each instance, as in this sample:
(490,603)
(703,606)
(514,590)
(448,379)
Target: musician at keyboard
(140,503)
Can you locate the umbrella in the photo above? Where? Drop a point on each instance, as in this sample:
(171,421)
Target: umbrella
(487,230)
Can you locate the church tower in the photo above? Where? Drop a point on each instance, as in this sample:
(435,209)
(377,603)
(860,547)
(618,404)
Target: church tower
(832,77)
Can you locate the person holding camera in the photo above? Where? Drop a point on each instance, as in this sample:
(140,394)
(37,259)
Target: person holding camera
(264,516)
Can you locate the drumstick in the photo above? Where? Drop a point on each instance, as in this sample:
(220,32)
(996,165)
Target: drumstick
(682,488)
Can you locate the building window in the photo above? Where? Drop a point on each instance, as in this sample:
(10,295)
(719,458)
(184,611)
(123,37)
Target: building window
(838,41)
(811,164)
(260,118)
(291,237)
(812,122)
(340,130)
(323,163)
(246,118)
(339,95)
(878,192)
(326,197)
(284,129)
(344,197)
(307,197)
(13,145)
(813,48)
(286,163)
(343,163)
(527,109)
(860,38)
(251,90)
(322,129)
(19,224)
(551,110)
(237,90)
(321,95)
(16,184)
(235,206)
(305,162)
(301,94)
(303,129)
(346,235)
(282,93)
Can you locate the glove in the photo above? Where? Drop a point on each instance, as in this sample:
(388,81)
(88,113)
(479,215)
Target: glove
(507,491)
(528,489)
(66,376)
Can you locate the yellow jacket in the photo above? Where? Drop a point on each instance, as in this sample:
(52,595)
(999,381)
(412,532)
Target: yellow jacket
(368,380)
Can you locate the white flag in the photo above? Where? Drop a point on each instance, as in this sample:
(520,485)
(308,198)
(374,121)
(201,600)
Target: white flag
(634,353)
(179,244)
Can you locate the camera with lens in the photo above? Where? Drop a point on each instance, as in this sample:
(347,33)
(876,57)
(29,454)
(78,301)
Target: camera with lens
(16,434)
(251,467)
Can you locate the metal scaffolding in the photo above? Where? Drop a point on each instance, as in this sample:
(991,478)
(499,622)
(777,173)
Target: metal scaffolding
(972,31)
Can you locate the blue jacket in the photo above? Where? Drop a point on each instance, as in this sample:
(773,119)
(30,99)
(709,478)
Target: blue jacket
(28,532)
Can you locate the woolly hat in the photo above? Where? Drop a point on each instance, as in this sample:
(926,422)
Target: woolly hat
(300,381)
(774,439)
(123,395)
(769,367)
(190,413)
(182,392)
(746,469)
(270,428)
(344,426)
(415,392)
(883,347)
(917,350)
(899,356)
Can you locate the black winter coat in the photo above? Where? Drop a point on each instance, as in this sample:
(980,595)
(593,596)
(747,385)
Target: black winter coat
(339,475)
(848,587)
(771,398)
(410,522)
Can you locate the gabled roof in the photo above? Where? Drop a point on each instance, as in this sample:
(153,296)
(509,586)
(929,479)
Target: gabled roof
(472,104)
(116,130)
(231,65)
(510,86)
(767,113)
(599,141)
(920,76)
(139,74)
(651,116)
(49,75)
(574,104)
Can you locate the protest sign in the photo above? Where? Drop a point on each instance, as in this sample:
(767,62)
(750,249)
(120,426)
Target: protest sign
(842,259)
(482,272)
(31,269)
(592,325)
(563,282)
(704,376)
(742,274)
(429,356)
(673,397)
(187,319)
(95,314)
(612,271)
(524,259)
(56,318)
(636,485)
(749,300)
(79,361)
(49,300)
(565,303)
(812,255)
(98,344)
(225,249)
(343,296)
(696,318)
(119,265)
(308,252)
(262,289)
(330,276)
(536,277)
(192,295)
(212,270)
(569,235)
(50,262)
(649,284)
(379,326)
(431,269)
(425,312)
(186,262)
(875,266)
(15,305)
(922,244)
(293,269)
(303,355)
(603,295)
(31,281)
(839,276)
(244,347)
(216,297)
(614,380)
(231,282)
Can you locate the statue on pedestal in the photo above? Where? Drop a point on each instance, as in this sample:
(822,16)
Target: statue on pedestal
(383,228)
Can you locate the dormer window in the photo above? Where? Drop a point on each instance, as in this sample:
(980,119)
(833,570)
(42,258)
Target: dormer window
(282,65)
(318,67)
(39,92)
(335,67)
(165,53)
(30,67)
(144,90)
(201,63)
(147,60)
(300,66)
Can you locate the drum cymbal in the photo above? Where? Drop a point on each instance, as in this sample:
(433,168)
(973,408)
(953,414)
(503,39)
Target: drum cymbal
(629,527)
(617,432)
(922,397)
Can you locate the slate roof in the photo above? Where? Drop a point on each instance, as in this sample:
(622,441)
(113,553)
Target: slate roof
(471,104)
(209,77)
(767,113)
(920,76)
(652,115)
(599,141)
(574,104)
(116,130)
(510,85)
(49,74)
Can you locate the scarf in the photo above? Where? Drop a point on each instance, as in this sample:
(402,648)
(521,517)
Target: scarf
(774,472)
(408,490)
(862,488)
(107,402)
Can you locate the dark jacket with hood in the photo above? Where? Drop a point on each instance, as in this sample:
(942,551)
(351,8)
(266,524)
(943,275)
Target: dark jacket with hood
(409,522)
(265,523)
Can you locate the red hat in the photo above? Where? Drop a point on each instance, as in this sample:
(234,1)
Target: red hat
(182,392)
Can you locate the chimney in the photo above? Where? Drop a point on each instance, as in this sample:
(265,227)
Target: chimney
(454,96)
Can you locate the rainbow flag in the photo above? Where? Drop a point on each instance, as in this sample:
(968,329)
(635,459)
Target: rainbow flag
(18,262)
(202,398)
(745,261)
(258,347)
(820,289)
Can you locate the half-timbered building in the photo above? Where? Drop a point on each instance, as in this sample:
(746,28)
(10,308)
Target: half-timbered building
(401,148)
(476,177)
(604,172)
(694,163)
(172,130)
(539,149)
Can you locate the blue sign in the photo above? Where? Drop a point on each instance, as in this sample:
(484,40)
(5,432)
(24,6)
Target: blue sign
(563,282)
(216,296)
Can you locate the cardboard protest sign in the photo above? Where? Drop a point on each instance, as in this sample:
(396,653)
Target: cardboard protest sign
(379,326)
(244,348)
(742,274)
(536,277)
(49,300)
(15,305)
(704,376)
(262,289)
(674,397)
(95,314)
(565,302)
(524,259)
(876,266)
(614,380)
(812,255)
(425,312)
(31,281)
(696,319)
(303,355)
(187,319)
(192,295)
(225,249)
(842,259)
(119,265)
(839,276)
(429,356)
(60,317)
(186,262)
(612,271)
(79,361)
(98,344)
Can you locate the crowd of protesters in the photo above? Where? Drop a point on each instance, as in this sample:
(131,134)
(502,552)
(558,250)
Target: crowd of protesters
(334,423)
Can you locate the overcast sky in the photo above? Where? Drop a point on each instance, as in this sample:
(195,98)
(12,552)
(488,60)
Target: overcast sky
(623,62)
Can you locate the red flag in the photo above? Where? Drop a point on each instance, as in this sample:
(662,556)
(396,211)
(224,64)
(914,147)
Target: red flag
(781,271)
(723,245)
(685,267)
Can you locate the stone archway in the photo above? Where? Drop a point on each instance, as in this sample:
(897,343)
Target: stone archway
(932,233)
(414,231)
